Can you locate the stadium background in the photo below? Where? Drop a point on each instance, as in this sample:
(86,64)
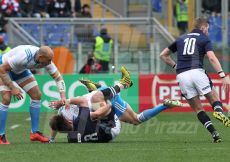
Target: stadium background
(140,30)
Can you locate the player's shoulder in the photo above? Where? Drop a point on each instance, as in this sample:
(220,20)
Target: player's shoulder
(25,48)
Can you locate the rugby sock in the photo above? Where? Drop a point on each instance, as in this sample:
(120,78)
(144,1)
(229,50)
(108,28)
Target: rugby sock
(35,115)
(110,92)
(3,118)
(205,120)
(148,114)
(217,106)
(120,85)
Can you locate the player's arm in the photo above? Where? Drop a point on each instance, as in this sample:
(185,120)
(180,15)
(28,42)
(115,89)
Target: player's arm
(55,74)
(103,111)
(80,101)
(165,56)
(217,66)
(214,61)
(4,69)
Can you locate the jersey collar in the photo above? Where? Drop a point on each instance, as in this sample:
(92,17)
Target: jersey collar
(197,31)
(36,61)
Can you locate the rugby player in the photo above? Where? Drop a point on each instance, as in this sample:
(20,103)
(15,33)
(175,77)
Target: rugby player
(191,76)
(15,66)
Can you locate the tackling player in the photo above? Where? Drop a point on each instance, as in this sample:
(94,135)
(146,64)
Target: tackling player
(125,112)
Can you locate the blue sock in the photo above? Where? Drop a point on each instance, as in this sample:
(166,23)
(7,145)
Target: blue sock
(3,118)
(35,115)
(148,114)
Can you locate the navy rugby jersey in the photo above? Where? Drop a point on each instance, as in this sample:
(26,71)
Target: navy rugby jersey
(191,49)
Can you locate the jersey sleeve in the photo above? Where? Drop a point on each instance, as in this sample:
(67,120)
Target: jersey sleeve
(173,47)
(51,68)
(208,45)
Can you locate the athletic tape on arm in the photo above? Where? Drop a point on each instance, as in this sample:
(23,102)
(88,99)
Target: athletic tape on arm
(61,85)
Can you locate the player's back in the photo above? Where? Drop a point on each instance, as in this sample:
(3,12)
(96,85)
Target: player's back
(20,57)
(191,49)
(19,50)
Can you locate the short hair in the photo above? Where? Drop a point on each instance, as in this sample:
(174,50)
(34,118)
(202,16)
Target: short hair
(199,22)
(60,124)
(103,31)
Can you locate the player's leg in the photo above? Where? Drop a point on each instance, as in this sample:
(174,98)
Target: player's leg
(217,106)
(195,103)
(110,92)
(30,86)
(4,105)
(130,116)
(191,88)
(205,87)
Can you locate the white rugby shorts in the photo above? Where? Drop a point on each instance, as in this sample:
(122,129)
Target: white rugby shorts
(193,83)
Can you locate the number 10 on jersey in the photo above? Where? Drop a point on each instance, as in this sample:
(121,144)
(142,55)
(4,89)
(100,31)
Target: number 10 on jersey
(189,46)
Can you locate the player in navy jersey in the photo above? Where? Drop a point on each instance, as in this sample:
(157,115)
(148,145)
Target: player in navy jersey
(192,78)
(77,121)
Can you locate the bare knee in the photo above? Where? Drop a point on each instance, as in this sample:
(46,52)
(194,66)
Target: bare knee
(131,120)
(36,95)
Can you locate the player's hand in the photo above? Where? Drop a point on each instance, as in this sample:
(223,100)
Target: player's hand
(66,103)
(225,84)
(17,93)
(55,104)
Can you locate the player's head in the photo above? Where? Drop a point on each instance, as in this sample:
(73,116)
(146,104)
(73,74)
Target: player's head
(60,124)
(44,56)
(202,24)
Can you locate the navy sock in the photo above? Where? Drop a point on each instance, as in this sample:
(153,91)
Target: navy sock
(217,106)
(205,120)
(110,92)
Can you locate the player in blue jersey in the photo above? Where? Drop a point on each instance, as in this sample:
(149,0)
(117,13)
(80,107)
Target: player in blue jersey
(15,66)
(125,112)
(97,102)
(191,49)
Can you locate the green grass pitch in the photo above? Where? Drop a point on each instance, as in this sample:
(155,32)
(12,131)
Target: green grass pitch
(167,138)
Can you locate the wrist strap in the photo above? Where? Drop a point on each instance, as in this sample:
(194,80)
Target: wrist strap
(174,66)
(221,74)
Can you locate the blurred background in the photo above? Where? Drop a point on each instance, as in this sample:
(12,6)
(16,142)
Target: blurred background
(133,32)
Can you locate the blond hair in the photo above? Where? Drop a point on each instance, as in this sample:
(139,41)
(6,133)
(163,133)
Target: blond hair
(200,22)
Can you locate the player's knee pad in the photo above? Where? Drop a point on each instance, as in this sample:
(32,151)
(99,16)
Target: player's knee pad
(29,86)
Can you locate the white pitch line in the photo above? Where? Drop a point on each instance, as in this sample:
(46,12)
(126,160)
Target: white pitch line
(14,126)
(28,119)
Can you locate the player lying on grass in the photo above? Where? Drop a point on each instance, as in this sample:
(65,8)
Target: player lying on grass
(125,112)
(77,122)
(96,104)
(120,107)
